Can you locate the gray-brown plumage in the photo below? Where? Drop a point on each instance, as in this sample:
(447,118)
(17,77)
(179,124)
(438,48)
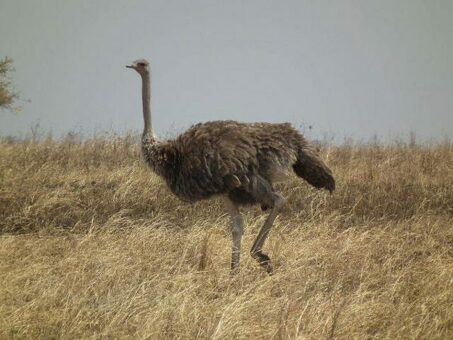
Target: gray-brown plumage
(240,161)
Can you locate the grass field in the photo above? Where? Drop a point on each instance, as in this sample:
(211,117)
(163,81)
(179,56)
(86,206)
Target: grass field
(92,245)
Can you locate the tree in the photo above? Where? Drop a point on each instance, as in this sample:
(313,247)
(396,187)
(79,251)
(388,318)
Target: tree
(7,95)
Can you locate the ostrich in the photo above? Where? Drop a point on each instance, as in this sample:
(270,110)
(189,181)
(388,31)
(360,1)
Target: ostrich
(239,161)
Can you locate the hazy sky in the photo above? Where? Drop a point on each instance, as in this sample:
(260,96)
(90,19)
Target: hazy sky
(349,68)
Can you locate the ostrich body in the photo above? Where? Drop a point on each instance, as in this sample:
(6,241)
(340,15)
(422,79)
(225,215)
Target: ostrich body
(239,161)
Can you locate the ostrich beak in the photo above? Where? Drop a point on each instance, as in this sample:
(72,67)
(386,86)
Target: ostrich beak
(129,66)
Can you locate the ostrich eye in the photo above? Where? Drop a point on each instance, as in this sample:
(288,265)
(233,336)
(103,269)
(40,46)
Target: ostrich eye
(141,64)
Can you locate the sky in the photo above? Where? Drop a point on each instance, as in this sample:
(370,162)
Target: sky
(349,69)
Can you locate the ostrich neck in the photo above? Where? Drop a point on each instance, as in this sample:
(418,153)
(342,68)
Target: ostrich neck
(150,147)
(146,101)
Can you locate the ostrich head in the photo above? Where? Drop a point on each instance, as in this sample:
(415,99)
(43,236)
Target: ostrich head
(141,66)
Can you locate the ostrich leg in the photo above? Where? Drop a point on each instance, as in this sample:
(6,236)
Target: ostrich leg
(264,192)
(256,251)
(237,229)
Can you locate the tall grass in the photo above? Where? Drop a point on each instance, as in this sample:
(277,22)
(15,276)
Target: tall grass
(93,245)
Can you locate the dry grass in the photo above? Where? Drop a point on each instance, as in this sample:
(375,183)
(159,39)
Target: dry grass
(93,246)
